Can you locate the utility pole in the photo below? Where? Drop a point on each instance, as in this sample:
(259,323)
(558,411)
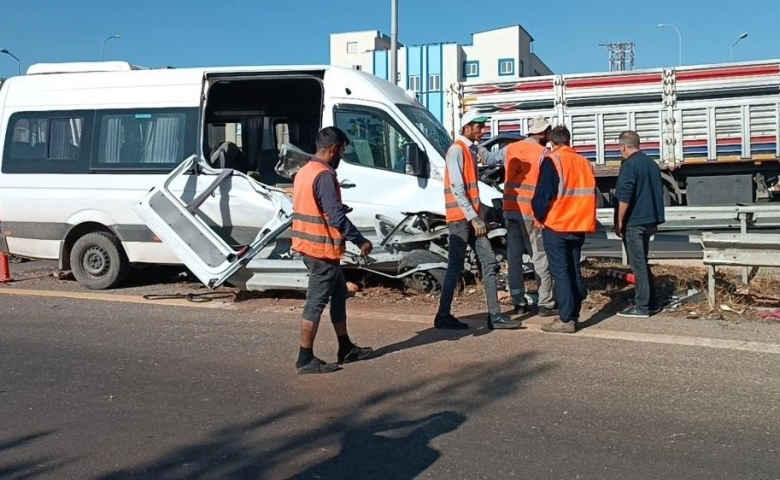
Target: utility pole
(394,41)
(621,55)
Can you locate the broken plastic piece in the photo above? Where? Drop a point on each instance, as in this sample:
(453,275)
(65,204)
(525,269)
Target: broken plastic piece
(291,159)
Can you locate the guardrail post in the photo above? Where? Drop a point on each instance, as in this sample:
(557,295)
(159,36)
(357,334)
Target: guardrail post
(711,285)
(743,221)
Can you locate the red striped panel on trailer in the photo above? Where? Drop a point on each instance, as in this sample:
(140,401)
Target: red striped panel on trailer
(616,146)
(615,80)
(511,87)
(505,126)
(723,73)
(500,108)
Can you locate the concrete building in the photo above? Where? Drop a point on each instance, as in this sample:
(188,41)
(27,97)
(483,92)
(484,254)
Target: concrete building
(430,70)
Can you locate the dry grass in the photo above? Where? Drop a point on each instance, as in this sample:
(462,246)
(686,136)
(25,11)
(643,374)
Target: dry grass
(762,291)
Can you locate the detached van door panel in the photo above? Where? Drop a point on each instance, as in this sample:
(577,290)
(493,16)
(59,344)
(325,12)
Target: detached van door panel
(374,168)
(182,226)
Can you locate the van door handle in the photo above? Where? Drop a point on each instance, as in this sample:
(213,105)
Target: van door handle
(347,184)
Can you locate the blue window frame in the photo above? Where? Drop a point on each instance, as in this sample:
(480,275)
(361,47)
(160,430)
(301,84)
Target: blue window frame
(471,69)
(506,66)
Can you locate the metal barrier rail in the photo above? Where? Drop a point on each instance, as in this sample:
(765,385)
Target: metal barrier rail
(702,218)
(747,250)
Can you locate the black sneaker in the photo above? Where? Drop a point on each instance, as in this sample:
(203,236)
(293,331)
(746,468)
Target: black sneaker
(633,312)
(547,312)
(317,366)
(520,309)
(656,309)
(449,322)
(499,321)
(356,354)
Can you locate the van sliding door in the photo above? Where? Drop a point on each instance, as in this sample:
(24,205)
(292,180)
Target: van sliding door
(179,224)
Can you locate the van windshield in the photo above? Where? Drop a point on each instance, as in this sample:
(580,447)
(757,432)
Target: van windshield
(433,130)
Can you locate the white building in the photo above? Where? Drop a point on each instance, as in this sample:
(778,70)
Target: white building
(494,55)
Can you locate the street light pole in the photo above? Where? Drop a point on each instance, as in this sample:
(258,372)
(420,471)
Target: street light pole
(103,47)
(18,62)
(741,37)
(679,41)
(394,41)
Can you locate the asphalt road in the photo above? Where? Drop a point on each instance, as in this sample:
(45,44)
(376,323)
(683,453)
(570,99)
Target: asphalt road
(91,389)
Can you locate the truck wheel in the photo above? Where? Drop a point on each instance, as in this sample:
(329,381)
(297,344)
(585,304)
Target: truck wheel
(98,261)
(429,281)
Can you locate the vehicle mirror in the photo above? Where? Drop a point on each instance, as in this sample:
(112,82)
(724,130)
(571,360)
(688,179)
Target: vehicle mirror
(416,160)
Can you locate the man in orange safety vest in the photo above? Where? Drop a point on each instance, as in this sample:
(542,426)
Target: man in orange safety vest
(564,204)
(521,161)
(320,230)
(467,227)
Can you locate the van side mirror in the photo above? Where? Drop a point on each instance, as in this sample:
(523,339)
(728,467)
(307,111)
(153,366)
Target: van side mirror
(416,160)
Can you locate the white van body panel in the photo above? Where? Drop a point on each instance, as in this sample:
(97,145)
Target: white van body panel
(37,211)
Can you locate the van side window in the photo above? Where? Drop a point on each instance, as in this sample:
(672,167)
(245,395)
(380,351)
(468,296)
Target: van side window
(375,139)
(144,139)
(47,142)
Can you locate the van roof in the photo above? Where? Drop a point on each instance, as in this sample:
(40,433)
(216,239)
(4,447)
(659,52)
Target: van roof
(81,67)
(122,66)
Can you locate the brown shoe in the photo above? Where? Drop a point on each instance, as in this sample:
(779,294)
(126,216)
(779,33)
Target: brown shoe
(559,326)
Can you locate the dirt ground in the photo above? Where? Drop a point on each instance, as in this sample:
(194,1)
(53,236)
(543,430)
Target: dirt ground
(606,294)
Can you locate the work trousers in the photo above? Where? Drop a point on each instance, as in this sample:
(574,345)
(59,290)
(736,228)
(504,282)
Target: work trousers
(637,242)
(326,284)
(564,252)
(461,236)
(522,234)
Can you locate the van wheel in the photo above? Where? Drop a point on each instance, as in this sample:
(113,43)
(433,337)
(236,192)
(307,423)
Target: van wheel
(429,281)
(98,261)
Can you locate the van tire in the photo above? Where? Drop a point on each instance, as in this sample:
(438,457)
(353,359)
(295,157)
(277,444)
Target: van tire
(430,281)
(98,261)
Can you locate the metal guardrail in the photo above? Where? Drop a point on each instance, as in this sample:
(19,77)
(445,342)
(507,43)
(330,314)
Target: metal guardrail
(747,250)
(702,218)
(658,237)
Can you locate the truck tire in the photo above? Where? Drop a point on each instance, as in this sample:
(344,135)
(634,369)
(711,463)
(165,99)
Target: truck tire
(98,261)
(429,281)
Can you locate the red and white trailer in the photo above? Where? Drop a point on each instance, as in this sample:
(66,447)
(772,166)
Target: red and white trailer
(712,129)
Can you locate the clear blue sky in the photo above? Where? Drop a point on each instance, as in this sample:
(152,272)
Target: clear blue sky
(240,32)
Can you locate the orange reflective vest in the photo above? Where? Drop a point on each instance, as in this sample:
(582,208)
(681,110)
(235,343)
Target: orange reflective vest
(574,209)
(521,172)
(312,233)
(470,181)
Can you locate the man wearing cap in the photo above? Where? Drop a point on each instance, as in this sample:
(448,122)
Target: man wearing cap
(467,227)
(521,166)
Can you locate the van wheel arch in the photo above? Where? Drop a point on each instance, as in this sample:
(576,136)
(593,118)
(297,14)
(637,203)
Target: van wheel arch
(76,232)
(98,261)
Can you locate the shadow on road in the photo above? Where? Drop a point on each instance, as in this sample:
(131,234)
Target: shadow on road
(429,336)
(27,468)
(386,435)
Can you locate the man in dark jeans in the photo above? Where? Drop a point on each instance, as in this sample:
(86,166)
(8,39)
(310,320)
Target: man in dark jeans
(564,203)
(466,226)
(640,195)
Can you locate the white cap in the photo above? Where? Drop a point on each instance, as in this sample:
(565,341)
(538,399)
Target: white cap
(473,116)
